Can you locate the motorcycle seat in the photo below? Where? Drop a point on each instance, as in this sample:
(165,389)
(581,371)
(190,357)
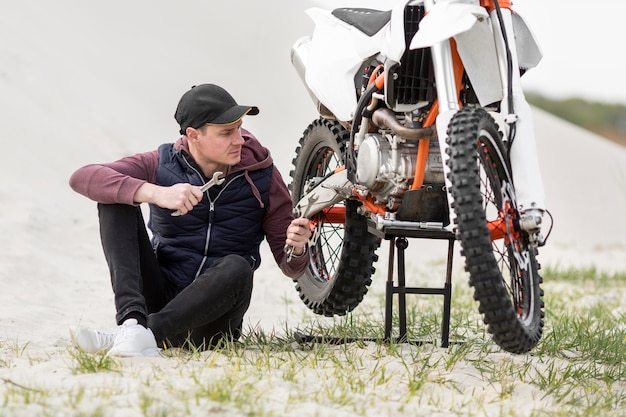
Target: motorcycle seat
(368,21)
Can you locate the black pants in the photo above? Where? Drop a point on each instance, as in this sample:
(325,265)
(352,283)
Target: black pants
(210,308)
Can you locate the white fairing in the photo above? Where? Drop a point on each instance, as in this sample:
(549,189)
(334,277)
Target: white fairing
(478,53)
(335,54)
(393,43)
(528,52)
(337,50)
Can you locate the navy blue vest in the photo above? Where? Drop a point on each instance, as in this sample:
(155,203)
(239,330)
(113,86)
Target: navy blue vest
(227,221)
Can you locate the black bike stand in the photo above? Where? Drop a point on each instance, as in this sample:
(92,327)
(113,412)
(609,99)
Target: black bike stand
(397,237)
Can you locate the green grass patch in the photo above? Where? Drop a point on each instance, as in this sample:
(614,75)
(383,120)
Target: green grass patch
(577,369)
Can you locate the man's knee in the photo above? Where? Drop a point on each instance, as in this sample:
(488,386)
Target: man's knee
(238,268)
(230,272)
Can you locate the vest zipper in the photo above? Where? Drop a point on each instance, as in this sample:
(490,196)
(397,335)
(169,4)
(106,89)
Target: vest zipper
(208,236)
(211,217)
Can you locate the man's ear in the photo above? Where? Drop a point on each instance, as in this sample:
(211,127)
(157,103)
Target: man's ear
(192,134)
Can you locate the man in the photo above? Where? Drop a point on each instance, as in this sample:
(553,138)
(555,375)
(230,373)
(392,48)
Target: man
(191,283)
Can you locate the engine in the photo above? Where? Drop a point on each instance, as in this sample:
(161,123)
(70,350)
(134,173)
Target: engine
(386,167)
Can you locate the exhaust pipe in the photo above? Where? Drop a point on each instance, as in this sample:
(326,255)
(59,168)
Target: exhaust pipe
(385,118)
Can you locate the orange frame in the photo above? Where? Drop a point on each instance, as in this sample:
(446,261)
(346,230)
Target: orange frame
(490,5)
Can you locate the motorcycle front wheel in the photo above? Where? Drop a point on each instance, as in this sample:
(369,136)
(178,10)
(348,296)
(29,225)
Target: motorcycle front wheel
(341,252)
(498,256)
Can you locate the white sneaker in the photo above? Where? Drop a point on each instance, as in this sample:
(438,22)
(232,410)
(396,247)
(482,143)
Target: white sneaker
(132,339)
(90,340)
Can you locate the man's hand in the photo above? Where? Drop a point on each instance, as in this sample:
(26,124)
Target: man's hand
(182,197)
(298,234)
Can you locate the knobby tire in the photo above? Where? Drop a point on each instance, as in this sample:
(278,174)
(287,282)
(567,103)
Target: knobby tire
(342,255)
(504,271)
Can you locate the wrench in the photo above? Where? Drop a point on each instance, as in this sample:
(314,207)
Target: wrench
(215,180)
(288,249)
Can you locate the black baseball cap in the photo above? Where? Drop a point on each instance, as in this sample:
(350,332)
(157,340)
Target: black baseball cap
(209,103)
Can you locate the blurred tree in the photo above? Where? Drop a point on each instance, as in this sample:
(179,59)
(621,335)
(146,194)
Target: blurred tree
(605,119)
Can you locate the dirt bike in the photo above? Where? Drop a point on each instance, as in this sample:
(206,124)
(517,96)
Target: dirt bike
(423,125)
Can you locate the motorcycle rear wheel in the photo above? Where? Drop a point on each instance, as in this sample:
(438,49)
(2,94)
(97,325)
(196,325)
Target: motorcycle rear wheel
(498,256)
(342,253)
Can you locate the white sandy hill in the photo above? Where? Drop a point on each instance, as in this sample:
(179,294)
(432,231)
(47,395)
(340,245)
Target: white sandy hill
(585,181)
(84,82)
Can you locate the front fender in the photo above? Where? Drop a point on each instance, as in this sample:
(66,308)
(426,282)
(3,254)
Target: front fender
(445,20)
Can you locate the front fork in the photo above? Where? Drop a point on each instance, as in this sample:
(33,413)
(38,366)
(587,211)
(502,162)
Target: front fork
(523,153)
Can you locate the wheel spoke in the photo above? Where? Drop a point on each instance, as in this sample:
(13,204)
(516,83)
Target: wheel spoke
(327,280)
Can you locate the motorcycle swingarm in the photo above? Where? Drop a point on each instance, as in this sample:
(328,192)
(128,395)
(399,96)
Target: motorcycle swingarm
(330,191)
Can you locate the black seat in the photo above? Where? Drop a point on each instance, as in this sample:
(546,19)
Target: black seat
(368,21)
